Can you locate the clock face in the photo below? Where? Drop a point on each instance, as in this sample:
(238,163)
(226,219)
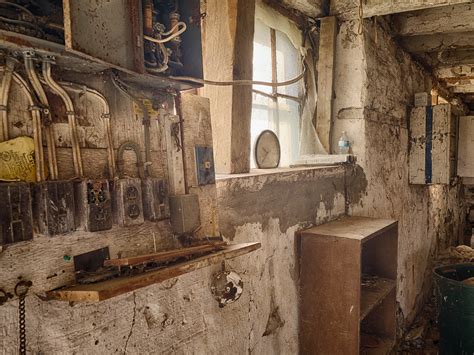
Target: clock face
(267,150)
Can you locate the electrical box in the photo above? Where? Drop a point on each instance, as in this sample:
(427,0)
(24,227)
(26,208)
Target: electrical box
(422,99)
(93,205)
(205,165)
(185,214)
(128,205)
(155,199)
(54,207)
(466,147)
(16,223)
(433,145)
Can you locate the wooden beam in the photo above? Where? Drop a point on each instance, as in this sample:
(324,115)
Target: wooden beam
(438,42)
(463,89)
(349,9)
(457,57)
(447,19)
(455,72)
(327,50)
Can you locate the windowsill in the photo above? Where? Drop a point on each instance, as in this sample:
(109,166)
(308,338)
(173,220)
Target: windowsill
(292,169)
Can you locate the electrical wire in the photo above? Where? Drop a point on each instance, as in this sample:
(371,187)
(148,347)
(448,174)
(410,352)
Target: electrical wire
(241,82)
(167,39)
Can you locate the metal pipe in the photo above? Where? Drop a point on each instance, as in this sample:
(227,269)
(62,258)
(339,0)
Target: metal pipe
(58,90)
(49,130)
(105,115)
(4,92)
(120,162)
(146,121)
(36,118)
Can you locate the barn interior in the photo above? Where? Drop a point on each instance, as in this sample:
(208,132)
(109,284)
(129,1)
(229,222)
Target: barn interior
(254,176)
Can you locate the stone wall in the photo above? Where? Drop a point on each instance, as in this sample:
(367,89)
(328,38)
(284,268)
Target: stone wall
(375,84)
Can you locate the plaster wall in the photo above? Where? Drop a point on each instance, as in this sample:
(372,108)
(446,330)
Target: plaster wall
(375,84)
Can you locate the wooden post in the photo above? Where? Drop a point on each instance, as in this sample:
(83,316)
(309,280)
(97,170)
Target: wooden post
(228,53)
(327,49)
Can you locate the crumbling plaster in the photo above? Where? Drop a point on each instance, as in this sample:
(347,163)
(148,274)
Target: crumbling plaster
(375,84)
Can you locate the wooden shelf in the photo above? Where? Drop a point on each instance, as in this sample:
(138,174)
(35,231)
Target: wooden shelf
(359,228)
(385,345)
(373,295)
(107,289)
(68,59)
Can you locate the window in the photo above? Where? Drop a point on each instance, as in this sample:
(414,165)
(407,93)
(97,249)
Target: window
(276,59)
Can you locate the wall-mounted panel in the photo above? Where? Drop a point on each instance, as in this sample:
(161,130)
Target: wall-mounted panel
(107,30)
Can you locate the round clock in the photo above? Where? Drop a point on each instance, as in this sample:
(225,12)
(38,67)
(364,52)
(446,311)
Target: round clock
(267,150)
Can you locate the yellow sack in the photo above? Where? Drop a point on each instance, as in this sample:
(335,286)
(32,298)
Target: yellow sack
(17,160)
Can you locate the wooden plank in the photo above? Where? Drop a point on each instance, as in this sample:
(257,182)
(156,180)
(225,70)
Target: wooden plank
(373,295)
(441,151)
(386,7)
(111,288)
(417,144)
(327,49)
(466,147)
(438,42)
(360,229)
(330,295)
(164,256)
(448,19)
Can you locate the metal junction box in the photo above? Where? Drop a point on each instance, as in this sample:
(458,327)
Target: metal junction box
(155,199)
(185,215)
(205,165)
(93,205)
(54,207)
(128,205)
(16,222)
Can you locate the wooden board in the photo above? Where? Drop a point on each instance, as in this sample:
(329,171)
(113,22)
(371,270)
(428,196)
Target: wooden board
(373,295)
(359,228)
(111,288)
(330,294)
(327,48)
(417,144)
(164,256)
(466,147)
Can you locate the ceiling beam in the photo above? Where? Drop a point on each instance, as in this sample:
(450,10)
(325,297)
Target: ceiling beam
(455,72)
(463,89)
(446,19)
(457,57)
(438,42)
(349,9)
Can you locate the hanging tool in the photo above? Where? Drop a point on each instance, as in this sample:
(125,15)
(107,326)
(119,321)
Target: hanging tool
(127,191)
(21,290)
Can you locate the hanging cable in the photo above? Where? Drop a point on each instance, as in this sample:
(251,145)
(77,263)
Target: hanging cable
(241,82)
(167,39)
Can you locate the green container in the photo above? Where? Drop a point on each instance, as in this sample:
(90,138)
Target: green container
(455,302)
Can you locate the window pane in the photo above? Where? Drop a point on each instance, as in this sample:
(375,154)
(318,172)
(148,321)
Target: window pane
(288,64)
(262,56)
(277,114)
